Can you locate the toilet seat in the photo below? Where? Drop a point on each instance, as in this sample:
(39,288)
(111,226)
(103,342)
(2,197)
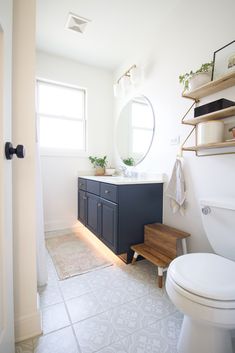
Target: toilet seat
(205,278)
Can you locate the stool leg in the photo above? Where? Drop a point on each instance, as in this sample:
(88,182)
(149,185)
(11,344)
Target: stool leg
(184,246)
(160,276)
(134,258)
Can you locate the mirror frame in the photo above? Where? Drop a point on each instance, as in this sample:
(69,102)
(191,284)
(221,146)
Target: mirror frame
(153,133)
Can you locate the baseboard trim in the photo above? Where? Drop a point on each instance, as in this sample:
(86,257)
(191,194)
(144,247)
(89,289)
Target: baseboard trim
(61,232)
(28,326)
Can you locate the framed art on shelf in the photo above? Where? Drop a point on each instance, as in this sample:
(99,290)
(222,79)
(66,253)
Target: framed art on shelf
(223,61)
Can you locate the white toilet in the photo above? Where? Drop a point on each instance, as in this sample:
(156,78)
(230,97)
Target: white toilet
(202,285)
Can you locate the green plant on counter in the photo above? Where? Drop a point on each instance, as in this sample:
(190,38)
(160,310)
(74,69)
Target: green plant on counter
(184,79)
(129,161)
(98,162)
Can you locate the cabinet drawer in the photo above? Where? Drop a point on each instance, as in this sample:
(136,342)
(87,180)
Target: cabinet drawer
(82,184)
(93,187)
(109,192)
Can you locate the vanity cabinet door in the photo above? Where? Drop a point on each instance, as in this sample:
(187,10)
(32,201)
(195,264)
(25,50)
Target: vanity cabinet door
(82,206)
(93,213)
(109,215)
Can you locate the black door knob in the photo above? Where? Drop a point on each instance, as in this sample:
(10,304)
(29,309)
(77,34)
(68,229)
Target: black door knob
(10,151)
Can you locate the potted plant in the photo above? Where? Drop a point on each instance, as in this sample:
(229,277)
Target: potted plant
(129,161)
(99,164)
(192,80)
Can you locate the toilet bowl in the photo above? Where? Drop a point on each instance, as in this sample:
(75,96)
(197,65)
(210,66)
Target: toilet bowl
(202,285)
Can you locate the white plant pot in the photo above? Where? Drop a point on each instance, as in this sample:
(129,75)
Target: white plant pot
(198,80)
(110,171)
(210,132)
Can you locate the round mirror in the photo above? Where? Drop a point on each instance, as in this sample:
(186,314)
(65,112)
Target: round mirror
(135,130)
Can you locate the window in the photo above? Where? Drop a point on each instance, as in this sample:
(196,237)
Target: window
(61,117)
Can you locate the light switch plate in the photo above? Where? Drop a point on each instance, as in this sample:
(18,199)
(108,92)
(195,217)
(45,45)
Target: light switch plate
(175,140)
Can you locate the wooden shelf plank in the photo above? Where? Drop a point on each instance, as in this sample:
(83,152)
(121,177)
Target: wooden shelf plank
(210,145)
(219,114)
(214,86)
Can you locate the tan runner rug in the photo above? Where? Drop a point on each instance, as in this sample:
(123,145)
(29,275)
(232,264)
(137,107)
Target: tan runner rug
(73,255)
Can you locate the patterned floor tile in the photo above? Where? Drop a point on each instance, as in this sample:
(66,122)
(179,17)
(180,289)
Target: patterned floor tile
(154,307)
(24,347)
(114,348)
(54,317)
(170,327)
(142,268)
(137,287)
(126,318)
(155,338)
(120,302)
(144,276)
(111,277)
(50,294)
(95,333)
(112,297)
(140,313)
(74,287)
(115,277)
(83,307)
(57,342)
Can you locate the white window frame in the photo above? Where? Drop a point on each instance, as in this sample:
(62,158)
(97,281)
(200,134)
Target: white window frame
(50,151)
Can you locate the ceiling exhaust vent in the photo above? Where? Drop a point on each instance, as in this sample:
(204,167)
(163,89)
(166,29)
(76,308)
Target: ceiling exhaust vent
(76,23)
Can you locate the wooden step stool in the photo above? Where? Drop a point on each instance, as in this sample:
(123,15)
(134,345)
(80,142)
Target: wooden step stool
(160,246)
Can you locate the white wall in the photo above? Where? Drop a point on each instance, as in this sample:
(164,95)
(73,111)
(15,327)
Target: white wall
(190,35)
(60,173)
(27,314)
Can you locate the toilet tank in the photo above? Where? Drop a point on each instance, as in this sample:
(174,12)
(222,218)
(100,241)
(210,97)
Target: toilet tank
(218,218)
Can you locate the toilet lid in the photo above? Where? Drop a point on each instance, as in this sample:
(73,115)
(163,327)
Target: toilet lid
(208,275)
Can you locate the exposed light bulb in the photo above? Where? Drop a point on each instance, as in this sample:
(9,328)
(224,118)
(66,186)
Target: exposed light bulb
(125,82)
(116,89)
(136,75)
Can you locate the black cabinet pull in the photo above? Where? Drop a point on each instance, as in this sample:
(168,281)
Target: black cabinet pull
(106,191)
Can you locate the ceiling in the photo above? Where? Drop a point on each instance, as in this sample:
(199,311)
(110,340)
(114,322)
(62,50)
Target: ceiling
(117,28)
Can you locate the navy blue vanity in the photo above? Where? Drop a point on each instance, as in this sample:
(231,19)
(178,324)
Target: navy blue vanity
(116,209)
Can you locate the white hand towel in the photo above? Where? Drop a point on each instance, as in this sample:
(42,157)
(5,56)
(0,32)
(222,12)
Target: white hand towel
(176,189)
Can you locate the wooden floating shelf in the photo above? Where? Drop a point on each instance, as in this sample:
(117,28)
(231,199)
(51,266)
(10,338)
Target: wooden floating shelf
(214,86)
(219,114)
(210,145)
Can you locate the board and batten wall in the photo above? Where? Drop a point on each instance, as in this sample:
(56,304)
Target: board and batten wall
(59,173)
(190,35)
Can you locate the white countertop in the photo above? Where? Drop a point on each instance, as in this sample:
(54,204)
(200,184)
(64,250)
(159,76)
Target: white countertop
(121,180)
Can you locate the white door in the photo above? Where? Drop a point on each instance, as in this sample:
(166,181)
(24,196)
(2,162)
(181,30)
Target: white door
(6,268)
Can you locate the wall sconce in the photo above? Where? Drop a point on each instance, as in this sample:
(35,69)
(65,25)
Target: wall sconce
(130,78)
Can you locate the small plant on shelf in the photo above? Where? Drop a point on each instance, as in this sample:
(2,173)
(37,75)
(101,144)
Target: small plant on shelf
(129,161)
(204,71)
(99,164)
